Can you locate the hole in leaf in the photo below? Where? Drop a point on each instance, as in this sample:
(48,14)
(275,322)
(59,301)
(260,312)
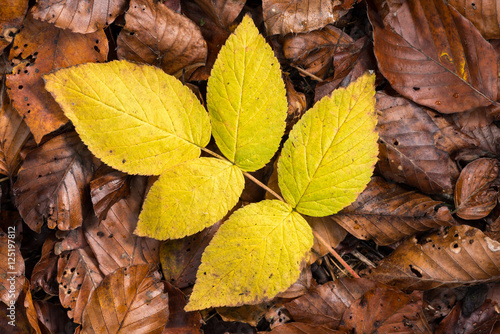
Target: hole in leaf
(415,271)
(416,88)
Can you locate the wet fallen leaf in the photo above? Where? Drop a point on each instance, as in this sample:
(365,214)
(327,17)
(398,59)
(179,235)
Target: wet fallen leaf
(38,49)
(52,181)
(154,34)
(434,56)
(387,213)
(77,15)
(475,196)
(482,13)
(461,255)
(12,14)
(130,300)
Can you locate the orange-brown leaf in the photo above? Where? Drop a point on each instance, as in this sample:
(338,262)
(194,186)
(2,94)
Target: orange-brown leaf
(11,17)
(484,14)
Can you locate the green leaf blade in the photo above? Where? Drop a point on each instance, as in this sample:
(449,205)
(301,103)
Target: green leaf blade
(256,254)
(190,197)
(135,118)
(246,99)
(331,152)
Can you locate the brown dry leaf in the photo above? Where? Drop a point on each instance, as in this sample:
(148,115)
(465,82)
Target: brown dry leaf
(484,14)
(13,135)
(315,51)
(408,151)
(295,16)
(107,187)
(387,213)
(461,255)
(180,321)
(482,321)
(52,316)
(301,328)
(479,124)
(44,273)
(155,34)
(325,304)
(11,267)
(30,309)
(250,314)
(39,49)
(12,14)
(330,230)
(130,300)
(434,56)
(52,181)
(386,310)
(223,12)
(297,104)
(80,16)
(113,241)
(180,258)
(475,196)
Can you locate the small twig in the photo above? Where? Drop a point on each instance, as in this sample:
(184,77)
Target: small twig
(301,70)
(4,179)
(336,255)
(363,259)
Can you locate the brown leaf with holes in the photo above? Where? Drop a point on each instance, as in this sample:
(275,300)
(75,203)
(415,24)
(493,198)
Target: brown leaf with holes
(180,258)
(325,304)
(387,213)
(79,16)
(408,151)
(156,35)
(13,135)
(458,256)
(107,187)
(12,14)
(295,16)
(180,321)
(11,267)
(386,310)
(130,300)
(475,196)
(51,185)
(112,240)
(39,49)
(434,56)
(484,14)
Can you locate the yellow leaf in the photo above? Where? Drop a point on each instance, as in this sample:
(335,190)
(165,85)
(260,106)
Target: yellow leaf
(135,118)
(331,152)
(246,99)
(256,254)
(190,197)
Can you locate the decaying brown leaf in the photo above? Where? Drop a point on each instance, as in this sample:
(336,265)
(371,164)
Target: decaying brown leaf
(78,15)
(475,196)
(330,230)
(250,314)
(484,14)
(295,16)
(52,316)
(301,328)
(18,322)
(113,241)
(12,14)
(479,125)
(434,56)
(130,300)
(11,268)
(44,274)
(180,321)
(457,256)
(297,104)
(387,213)
(39,49)
(52,181)
(223,12)
(155,34)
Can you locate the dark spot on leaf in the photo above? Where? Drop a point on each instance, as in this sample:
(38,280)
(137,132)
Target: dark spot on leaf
(416,88)
(415,271)
(100,234)
(123,161)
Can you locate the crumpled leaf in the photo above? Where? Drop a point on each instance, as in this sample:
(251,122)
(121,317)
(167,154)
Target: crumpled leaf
(190,197)
(434,56)
(246,99)
(461,255)
(479,125)
(257,253)
(112,240)
(329,156)
(52,181)
(154,34)
(295,16)
(130,300)
(38,49)
(482,13)
(80,16)
(387,213)
(12,14)
(475,196)
(12,273)
(135,118)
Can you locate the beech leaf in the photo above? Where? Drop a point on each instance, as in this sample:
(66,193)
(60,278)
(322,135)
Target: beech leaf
(135,118)
(244,90)
(257,253)
(330,154)
(190,197)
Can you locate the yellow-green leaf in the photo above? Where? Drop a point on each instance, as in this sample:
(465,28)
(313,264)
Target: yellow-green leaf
(135,118)
(255,255)
(189,197)
(246,99)
(331,152)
